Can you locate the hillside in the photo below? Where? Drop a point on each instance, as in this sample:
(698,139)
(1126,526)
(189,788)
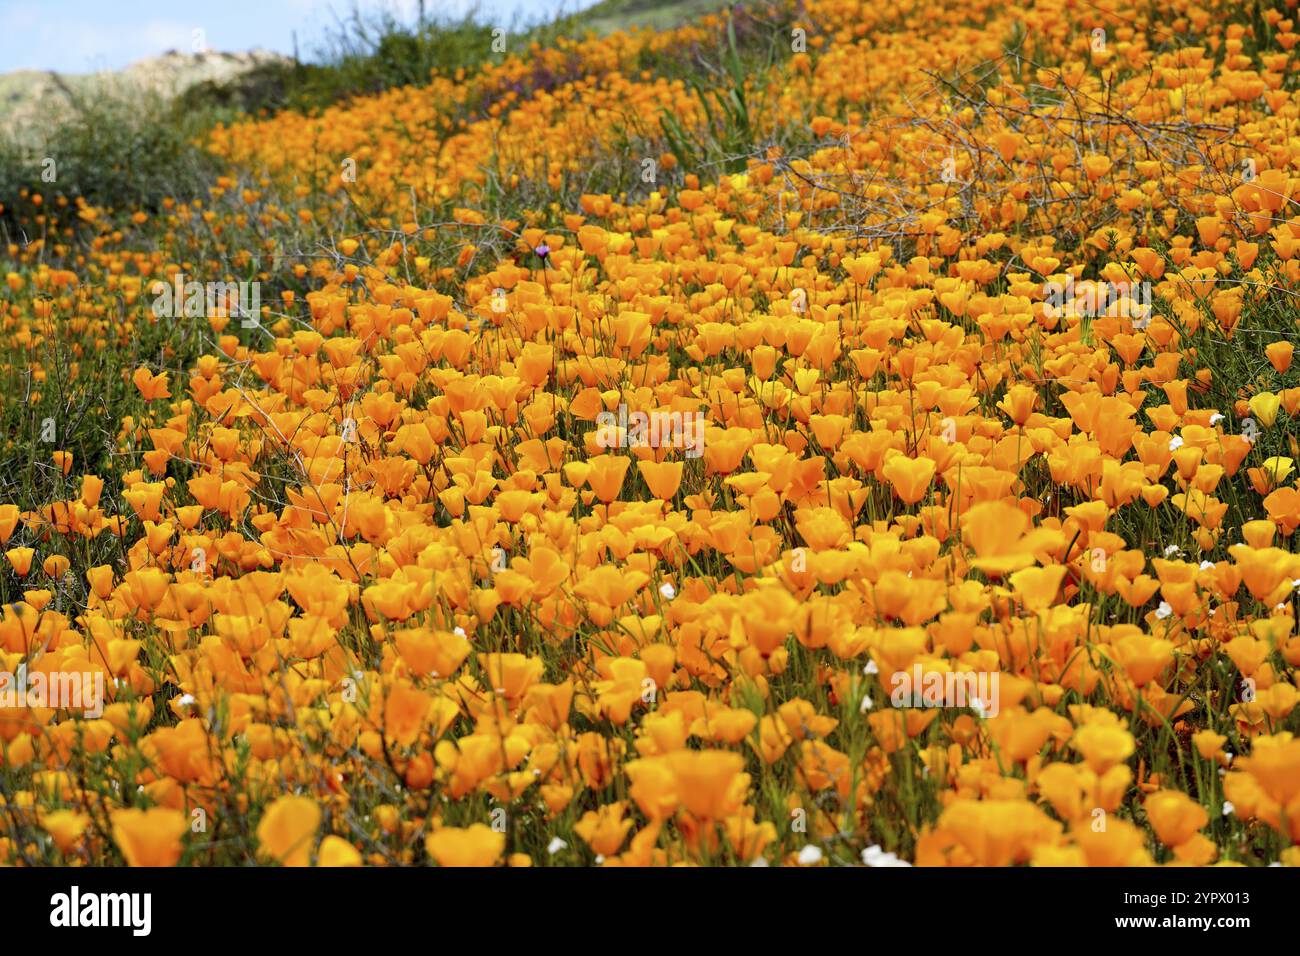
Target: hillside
(803,433)
(30,99)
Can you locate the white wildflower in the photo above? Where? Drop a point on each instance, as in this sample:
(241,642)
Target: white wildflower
(810,855)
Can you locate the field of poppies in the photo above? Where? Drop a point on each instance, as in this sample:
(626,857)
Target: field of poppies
(819,433)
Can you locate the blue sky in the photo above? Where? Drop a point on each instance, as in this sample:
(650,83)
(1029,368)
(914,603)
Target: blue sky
(81,36)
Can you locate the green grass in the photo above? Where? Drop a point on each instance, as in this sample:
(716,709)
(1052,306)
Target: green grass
(611,16)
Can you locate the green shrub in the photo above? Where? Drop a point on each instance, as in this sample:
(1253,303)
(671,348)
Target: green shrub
(111,150)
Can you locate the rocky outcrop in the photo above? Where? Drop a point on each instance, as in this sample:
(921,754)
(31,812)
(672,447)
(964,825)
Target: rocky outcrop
(32,98)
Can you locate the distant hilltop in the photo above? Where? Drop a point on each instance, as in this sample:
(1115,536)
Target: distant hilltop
(29,98)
